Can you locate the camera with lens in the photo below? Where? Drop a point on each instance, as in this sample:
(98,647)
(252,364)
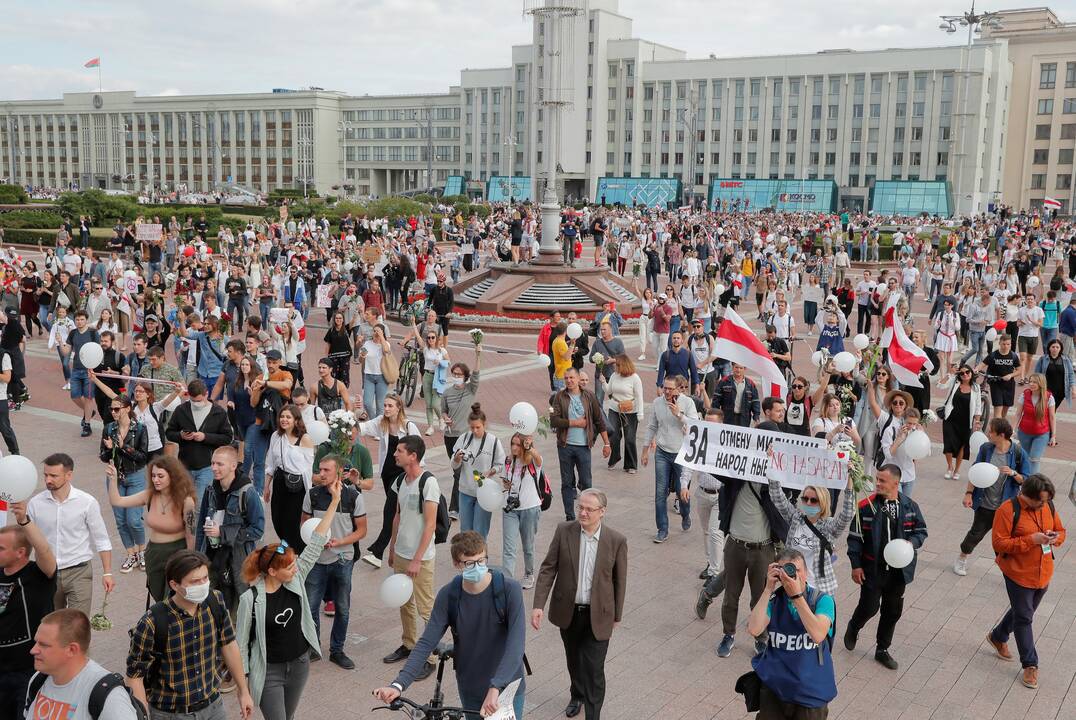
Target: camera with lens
(790,570)
(512,503)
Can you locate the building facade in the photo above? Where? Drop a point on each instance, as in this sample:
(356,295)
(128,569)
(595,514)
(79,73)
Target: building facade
(633,109)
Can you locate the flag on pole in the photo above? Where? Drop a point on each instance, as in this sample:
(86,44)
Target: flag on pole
(96,62)
(737,343)
(1051,204)
(906,359)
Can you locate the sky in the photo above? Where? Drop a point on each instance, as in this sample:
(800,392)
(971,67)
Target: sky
(376,47)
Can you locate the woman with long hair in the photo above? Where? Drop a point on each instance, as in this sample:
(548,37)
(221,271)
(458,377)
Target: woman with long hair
(388,427)
(522,477)
(479,455)
(961,414)
(374,386)
(29,292)
(169,515)
(1036,422)
(338,349)
(433,380)
(831,425)
(456,402)
(147,409)
(105,322)
(1058,371)
(813,530)
(623,405)
(289,468)
(124,448)
(274,628)
(646,323)
(284,338)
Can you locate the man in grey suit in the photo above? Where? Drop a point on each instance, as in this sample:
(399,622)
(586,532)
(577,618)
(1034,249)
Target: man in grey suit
(586,569)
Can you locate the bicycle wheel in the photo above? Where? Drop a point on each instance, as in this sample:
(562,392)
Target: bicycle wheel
(402,311)
(411,384)
(404,367)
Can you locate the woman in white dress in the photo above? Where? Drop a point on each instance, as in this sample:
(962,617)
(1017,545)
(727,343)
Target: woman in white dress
(947,323)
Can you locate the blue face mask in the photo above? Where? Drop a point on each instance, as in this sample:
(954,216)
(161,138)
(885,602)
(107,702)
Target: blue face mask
(475,574)
(809,510)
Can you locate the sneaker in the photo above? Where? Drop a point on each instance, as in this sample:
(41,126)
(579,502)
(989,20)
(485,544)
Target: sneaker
(429,431)
(661,537)
(948,475)
(956,476)
(527,582)
(330,609)
(850,639)
(643,356)
(1002,649)
(960,567)
(142,560)
(130,563)
(632,471)
(685,523)
(725,648)
(400,653)
(675,507)
(426,671)
(1030,678)
(86,432)
(885,659)
(66,386)
(342,660)
(702,604)
(453,515)
(372,560)
(760,646)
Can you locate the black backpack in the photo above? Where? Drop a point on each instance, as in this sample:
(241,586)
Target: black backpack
(159,612)
(879,455)
(500,604)
(444,522)
(268,409)
(98,696)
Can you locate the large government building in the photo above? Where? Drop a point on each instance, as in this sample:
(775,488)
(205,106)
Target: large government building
(945,128)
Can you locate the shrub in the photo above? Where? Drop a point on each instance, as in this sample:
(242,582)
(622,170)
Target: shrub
(18,219)
(103,208)
(13,195)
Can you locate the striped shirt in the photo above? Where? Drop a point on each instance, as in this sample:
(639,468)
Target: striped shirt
(186,674)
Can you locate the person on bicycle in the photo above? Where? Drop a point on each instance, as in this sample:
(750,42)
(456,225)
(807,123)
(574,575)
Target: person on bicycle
(488,655)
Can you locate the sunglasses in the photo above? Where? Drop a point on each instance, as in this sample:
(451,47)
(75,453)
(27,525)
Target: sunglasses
(898,402)
(964,372)
(798,387)
(810,500)
(116,408)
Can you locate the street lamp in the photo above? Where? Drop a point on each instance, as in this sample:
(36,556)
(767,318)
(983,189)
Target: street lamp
(690,124)
(974,22)
(306,161)
(510,145)
(342,127)
(428,126)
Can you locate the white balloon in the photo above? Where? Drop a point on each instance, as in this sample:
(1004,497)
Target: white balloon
(574,330)
(861,342)
(991,335)
(917,445)
(490,495)
(817,358)
(318,431)
(898,553)
(523,418)
(18,478)
(396,590)
(306,530)
(719,289)
(983,474)
(844,362)
(543,360)
(91,355)
(977,439)
(1033,281)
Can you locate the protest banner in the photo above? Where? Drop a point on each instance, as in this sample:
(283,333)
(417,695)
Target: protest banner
(744,453)
(325,296)
(148,232)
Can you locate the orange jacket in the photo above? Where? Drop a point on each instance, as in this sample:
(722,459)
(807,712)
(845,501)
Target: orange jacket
(1021,559)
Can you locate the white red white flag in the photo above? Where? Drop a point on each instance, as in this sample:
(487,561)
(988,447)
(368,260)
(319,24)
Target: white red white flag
(737,343)
(1051,204)
(906,359)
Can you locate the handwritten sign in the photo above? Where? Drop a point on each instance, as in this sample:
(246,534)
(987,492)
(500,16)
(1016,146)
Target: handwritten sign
(744,453)
(147,232)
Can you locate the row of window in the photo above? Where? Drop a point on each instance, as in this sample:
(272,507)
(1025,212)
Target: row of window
(1062,182)
(754,86)
(854,158)
(411,132)
(1048,75)
(1068,131)
(439,113)
(1046,106)
(1042,157)
(791,136)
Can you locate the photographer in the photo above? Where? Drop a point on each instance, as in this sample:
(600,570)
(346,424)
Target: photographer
(796,670)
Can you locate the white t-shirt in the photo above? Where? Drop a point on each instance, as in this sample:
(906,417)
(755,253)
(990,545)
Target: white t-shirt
(71,701)
(1028,317)
(372,364)
(412,520)
(523,484)
(5,367)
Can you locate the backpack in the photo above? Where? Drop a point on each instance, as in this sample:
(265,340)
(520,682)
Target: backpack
(541,483)
(159,612)
(879,456)
(268,408)
(500,604)
(1016,510)
(444,522)
(98,696)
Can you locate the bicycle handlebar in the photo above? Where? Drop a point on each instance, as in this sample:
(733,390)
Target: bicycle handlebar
(429,711)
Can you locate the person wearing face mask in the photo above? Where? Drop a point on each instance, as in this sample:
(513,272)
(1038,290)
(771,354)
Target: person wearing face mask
(195,629)
(456,401)
(488,655)
(478,454)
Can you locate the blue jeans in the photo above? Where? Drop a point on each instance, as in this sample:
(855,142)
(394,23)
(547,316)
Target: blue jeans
(473,700)
(65,363)
(1023,602)
(316,583)
(255,445)
(976,346)
(43,317)
(129,520)
(1034,446)
(1047,334)
(907,487)
(472,516)
(374,389)
(263,309)
(202,479)
(574,459)
(666,480)
(521,524)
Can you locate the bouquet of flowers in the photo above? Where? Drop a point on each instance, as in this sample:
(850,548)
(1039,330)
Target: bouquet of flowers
(928,417)
(100,621)
(225,323)
(871,357)
(598,359)
(861,481)
(476,335)
(848,399)
(341,426)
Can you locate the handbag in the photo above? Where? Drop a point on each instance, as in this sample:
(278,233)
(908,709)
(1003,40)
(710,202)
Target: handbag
(625,406)
(750,686)
(293,482)
(390,369)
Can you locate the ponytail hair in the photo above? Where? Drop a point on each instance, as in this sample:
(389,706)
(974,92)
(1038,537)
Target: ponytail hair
(476,414)
(261,560)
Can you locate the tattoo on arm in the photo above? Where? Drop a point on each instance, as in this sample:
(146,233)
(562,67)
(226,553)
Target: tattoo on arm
(188,520)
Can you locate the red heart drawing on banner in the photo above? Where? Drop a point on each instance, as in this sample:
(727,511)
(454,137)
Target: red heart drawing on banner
(840,456)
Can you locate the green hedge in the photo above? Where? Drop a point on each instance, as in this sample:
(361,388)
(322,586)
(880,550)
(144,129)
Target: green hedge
(18,219)
(13,195)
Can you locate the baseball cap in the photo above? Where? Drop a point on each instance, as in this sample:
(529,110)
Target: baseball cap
(663,296)
(274,355)
(152,317)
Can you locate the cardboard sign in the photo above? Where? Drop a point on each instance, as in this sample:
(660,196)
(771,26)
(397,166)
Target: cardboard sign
(148,232)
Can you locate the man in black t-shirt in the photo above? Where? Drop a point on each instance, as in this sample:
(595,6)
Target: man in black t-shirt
(26,591)
(1001,367)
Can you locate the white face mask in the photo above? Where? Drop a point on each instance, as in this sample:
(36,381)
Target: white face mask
(197,593)
(199,404)
(457,381)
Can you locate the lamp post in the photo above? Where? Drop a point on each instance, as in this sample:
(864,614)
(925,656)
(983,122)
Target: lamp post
(690,123)
(974,22)
(307,161)
(427,126)
(343,127)
(510,148)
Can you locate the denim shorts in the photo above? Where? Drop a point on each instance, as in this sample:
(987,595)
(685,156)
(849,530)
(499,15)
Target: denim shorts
(81,385)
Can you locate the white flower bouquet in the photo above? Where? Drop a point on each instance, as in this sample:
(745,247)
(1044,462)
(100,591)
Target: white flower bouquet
(341,427)
(476,335)
(598,359)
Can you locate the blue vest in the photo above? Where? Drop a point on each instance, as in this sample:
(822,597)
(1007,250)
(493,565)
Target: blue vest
(793,667)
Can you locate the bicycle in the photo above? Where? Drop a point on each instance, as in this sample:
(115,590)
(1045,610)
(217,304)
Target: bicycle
(410,309)
(407,382)
(435,709)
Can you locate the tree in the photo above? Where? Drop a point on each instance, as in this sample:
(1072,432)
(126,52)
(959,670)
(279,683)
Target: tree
(13,195)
